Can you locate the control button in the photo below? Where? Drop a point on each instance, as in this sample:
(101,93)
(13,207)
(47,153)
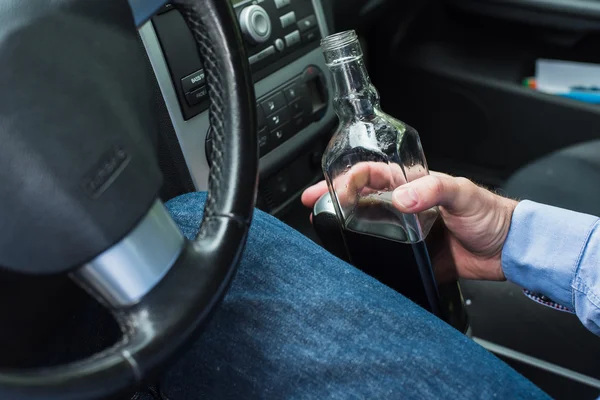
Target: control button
(301,107)
(273,103)
(255,24)
(287,19)
(282,3)
(280,45)
(307,23)
(296,108)
(292,39)
(295,91)
(277,119)
(261,24)
(310,36)
(280,135)
(263,141)
(260,116)
(302,104)
(196,96)
(269,51)
(194,80)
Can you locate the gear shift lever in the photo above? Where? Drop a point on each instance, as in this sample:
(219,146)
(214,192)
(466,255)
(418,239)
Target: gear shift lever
(328,227)
(397,265)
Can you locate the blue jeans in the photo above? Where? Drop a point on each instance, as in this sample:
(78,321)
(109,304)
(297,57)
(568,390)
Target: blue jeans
(298,323)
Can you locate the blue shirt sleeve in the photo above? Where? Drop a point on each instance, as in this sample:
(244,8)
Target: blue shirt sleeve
(556,253)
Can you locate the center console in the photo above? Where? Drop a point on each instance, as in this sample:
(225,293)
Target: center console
(292,90)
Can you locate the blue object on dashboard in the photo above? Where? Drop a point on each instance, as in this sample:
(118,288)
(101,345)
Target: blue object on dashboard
(143,10)
(588,97)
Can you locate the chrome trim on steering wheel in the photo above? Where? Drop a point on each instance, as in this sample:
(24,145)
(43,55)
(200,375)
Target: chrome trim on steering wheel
(123,274)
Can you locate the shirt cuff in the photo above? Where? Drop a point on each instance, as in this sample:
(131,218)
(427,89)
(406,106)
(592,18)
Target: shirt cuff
(543,249)
(545,301)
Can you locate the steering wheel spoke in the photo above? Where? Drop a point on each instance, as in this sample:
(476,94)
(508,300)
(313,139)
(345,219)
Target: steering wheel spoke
(125,273)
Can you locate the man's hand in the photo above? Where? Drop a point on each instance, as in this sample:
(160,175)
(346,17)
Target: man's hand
(477,220)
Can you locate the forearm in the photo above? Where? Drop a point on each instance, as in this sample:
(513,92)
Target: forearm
(556,253)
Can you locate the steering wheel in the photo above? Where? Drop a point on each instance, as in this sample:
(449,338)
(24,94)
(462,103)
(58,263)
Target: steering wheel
(80,181)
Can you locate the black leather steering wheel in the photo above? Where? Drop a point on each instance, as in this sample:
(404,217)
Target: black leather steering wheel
(76,127)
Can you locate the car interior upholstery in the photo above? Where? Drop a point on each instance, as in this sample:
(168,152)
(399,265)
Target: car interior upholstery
(450,68)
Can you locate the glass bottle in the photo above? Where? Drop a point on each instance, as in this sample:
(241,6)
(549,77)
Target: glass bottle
(369,156)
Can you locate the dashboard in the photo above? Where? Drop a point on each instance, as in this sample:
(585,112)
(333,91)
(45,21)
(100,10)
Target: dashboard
(291,83)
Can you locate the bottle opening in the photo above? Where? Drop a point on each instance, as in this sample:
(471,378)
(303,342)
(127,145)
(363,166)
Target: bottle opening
(341,47)
(338,40)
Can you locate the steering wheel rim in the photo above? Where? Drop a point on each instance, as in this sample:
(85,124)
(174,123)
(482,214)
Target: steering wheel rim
(174,311)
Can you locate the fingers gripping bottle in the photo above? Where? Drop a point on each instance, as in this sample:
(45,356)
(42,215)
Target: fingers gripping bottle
(369,156)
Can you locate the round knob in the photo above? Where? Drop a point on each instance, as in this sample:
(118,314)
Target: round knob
(255,24)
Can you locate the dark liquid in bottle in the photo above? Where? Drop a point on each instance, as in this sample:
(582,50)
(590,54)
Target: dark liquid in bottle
(374,240)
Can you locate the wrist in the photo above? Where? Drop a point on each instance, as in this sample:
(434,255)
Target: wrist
(509,208)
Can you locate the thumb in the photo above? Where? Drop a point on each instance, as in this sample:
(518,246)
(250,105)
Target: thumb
(434,190)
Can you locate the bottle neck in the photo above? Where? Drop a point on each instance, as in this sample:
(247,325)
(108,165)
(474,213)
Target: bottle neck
(354,95)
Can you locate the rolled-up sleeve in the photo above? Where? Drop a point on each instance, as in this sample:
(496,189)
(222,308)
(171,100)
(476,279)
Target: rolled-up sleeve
(556,253)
